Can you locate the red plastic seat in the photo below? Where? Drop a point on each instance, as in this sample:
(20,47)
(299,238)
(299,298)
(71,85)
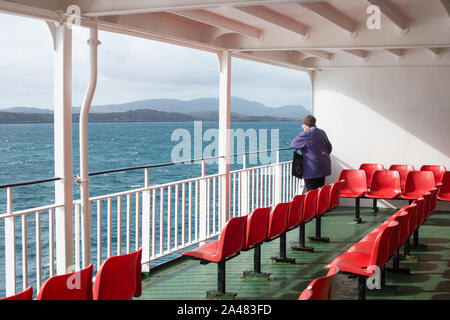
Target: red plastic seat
(403,170)
(369,169)
(444,190)
(310,205)
(320,288)
(257,225)
(358,262)
(27,294)
(278,220)
(417,184)
(119,277)
(354,185)
(295,215)
(71,286)
(335,195)
(437,170)
(385,185)
(323,198)
(434,195)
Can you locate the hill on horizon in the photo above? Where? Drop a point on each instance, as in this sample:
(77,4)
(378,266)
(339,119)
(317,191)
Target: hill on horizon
(238,105)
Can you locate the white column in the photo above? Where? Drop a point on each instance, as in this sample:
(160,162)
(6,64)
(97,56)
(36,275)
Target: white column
(224,132)
(62,86)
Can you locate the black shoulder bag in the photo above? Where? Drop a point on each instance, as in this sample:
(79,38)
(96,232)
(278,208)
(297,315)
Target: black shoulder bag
(297,165)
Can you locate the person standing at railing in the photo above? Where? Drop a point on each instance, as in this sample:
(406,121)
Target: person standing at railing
(315,149)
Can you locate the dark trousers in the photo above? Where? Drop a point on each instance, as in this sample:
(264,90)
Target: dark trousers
(316,183)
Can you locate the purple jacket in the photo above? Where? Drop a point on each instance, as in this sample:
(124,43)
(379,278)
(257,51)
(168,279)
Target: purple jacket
(315,148)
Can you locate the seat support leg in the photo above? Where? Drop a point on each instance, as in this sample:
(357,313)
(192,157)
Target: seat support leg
(301,240)
(220,293)
(318,236)
(357,211)
(361,288)
(396,265)
(283,258)
(256,273)
(375,206)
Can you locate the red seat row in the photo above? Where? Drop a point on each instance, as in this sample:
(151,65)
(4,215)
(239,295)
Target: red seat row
(367,258)
(263,225)
(118,278)
(387,184)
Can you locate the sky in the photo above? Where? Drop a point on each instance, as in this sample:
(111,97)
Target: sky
(131,69)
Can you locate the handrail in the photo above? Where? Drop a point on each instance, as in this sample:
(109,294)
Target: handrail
(159,165)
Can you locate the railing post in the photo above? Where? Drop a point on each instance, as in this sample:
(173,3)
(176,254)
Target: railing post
(62,89)
(146,214)
(277,180)
(10,246)
(203,212)
(224,133)
(244,188)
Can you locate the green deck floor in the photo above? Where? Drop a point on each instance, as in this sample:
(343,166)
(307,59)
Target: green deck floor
(429,278)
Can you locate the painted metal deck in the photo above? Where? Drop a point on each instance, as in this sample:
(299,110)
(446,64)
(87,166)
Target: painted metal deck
(429,279)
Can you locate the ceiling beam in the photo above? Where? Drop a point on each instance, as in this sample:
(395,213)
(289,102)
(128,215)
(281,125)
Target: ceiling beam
(219,21)
(436,52)
(277,19)
(446,5)
(319,54)
(399,20)
(99,8)
(399,53)
(362,54)
(331,14)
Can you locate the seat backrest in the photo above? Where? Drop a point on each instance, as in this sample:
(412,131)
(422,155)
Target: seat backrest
(355,181)
(27,294)
(437,170)
(278,220)
(334,195)
(296,211)
(407,212)
(434,193)
(426,209)
(116,277)
(380,252)
(416,212)
(369,169)
(323,198)
(320,288)
(386,180)
(402,217)
(419,182)
(232,238)
(445,188)
(257,225)
(71,286)
(310,205)
(403,170)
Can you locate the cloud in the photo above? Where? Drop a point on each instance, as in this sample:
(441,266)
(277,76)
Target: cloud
(131,69)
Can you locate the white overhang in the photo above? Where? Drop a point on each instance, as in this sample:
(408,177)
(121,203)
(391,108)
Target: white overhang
(301,34)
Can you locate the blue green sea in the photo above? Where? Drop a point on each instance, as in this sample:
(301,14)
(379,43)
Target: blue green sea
(26,153)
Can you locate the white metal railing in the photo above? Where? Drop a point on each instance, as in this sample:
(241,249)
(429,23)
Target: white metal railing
(162,219)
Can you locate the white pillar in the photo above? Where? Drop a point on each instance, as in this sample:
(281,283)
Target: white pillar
(84,159)
(224,132)
(62,86)
(277,181)
(244,188)
(204,201)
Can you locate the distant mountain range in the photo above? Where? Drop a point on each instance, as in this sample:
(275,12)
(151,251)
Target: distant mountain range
(163,110)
